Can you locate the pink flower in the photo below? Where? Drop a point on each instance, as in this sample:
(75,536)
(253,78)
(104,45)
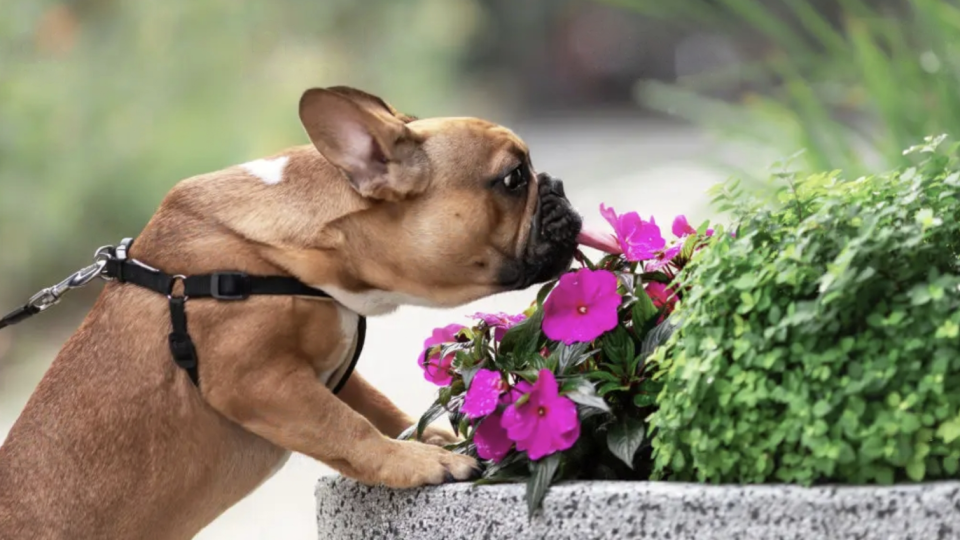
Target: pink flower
(681,227)
(491,439)
(546,423)
(639,239)
(582,306)
(436,369)
(484,393)
(602,241)
(501,322)
(661,295)
(663,259)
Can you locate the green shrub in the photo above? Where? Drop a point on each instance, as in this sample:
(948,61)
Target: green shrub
(822,344)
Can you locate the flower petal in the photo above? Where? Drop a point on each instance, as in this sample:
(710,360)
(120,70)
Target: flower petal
(681,227)
(491,439)
(540,443)
(519,423)
(602,241)
(484,393)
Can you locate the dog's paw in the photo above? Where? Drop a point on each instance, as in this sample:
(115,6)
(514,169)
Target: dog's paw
(435,436)
(409,464)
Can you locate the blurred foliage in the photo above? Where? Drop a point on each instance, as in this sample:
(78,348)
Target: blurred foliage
(105,105)
(851,82)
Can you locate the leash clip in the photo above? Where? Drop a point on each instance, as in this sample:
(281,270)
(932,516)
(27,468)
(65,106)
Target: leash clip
(51,296)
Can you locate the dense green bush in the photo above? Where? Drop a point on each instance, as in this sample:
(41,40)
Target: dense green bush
(822,344)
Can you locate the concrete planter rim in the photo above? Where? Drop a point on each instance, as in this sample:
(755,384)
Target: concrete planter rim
(654,510)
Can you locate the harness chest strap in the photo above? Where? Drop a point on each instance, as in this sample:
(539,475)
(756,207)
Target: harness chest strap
(113,264)
(221,286)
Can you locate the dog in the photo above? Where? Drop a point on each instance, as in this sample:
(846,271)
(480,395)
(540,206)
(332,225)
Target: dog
(381,210)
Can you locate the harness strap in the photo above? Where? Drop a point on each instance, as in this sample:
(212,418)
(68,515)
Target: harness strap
(222,286)
(181,346)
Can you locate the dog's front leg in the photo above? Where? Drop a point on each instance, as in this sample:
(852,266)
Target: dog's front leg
(286,405)
(364,398)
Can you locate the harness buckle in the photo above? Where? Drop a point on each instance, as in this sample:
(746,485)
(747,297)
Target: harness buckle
(229,286)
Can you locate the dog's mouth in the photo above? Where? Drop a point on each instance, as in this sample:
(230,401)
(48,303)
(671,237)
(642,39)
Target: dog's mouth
(552,242)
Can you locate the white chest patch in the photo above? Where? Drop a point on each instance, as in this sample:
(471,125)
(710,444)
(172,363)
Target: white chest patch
(348,321)
(269,171)
(373,303)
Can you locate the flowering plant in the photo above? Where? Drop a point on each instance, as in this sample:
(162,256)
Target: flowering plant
(562,391)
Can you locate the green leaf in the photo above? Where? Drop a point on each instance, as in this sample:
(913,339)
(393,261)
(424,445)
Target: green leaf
(544,292)
(619,346)
(603,376)
(573,355)
(644,400)
(624,438)
(916,470)
(434,412)
(468,374)
(949,431)
(586,396)
(542,473)
(606,388)
(445,395)
(524,337)
(642,311)
(689,245)
(702,229)
(658,336)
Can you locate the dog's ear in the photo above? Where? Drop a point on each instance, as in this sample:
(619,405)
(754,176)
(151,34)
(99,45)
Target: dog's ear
(363,136)
(372,101)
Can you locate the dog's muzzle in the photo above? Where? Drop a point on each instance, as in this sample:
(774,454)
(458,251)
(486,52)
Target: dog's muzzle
(552,241)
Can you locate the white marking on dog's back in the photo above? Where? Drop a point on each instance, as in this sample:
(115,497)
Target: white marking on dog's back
(270,171)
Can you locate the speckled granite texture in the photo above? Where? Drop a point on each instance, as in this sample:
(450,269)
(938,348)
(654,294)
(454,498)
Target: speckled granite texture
(648,510)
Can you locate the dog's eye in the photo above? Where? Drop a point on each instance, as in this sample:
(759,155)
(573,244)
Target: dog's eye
(516,179)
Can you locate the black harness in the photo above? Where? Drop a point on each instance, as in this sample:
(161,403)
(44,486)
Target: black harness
(113,264)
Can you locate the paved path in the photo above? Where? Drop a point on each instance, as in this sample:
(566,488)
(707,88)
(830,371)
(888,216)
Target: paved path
(624,163)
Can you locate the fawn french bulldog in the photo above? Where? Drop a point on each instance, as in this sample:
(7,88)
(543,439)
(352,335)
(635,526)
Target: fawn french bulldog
(381,210)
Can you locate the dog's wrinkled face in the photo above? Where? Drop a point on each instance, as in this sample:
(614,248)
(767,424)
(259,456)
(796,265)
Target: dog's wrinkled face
(457,211)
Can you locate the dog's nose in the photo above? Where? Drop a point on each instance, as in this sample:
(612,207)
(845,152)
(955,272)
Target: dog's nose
(551,184)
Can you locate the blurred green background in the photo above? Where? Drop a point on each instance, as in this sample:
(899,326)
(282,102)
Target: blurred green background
(105,104)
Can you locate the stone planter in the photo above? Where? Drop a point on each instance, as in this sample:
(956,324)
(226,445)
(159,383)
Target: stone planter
(649,510)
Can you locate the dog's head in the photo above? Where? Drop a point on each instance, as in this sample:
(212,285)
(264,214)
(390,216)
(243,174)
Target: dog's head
(455,209)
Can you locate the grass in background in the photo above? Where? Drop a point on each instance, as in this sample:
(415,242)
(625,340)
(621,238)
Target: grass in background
(851,96)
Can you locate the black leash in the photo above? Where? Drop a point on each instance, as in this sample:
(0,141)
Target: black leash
(112,264)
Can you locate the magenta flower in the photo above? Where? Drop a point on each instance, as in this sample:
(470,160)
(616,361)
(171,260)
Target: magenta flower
(663,259)
(501,322)
(484,393)
(682,227)
(661,295)
(598,240)
(436,369)
(582,306)
(639,239)
(491,438)
(546,423)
